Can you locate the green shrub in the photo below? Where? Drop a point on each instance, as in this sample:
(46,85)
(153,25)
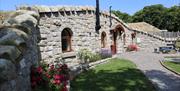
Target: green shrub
(87,56)
(95,57)
(177,44)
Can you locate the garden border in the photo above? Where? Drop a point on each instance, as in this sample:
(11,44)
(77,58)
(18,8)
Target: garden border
(168,68)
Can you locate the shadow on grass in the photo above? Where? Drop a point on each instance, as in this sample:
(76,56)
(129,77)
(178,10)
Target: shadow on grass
(124,79)
(164,81)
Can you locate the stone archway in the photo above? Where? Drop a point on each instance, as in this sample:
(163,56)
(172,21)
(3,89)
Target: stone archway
(66,36)
(115,33)
(103,39)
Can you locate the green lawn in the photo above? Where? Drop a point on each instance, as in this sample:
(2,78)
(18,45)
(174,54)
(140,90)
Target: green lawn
(116,75)
(173,65)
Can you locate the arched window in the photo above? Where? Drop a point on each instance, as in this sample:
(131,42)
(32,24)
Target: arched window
(66,36)
(103,39)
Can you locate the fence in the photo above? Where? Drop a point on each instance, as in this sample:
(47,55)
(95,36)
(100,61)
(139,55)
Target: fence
(165,34)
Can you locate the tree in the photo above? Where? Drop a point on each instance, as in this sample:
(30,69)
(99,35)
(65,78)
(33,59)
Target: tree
(159,16)
(150,14)
(124,16)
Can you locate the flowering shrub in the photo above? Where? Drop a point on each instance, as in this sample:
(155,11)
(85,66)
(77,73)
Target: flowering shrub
(105,53)
(85,54)
(49,77)
(132,47)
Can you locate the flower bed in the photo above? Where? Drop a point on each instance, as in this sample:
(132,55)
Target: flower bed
(50,77)
(132,47)
(86,55)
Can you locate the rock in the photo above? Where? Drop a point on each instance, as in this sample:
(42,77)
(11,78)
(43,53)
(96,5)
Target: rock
(32,13)
(26,19)
(9,52)
(10,36)
(7,70)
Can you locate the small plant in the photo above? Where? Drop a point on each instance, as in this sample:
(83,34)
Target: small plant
(105,53)
(48,77)
(87,56)
(132,47)
(84,55)
(95,57)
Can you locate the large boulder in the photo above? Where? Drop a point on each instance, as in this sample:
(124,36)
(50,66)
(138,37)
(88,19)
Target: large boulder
(7,70)
(23,20)
(12,36)
(9,52)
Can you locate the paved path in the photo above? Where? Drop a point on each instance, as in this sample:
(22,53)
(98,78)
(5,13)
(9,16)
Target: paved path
(163,79)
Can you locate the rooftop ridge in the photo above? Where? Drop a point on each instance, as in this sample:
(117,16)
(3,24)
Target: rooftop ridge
(45,8)
(57,8)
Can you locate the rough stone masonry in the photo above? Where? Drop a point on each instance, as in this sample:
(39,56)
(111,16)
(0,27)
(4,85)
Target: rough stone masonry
(42,33)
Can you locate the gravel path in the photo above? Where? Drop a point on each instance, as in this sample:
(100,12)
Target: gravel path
(163,79)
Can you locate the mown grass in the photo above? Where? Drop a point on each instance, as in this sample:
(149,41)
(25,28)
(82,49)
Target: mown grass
(175,66)
(116,75)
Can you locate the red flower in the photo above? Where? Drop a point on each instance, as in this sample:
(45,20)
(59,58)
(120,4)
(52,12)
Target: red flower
(132,47)
(39,69)
(58,76)
(47,75)
(56,82)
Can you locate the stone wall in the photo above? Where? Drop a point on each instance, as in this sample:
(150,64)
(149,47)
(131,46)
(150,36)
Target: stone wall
(18,50)
(82,25)
(28,36)
(148,42)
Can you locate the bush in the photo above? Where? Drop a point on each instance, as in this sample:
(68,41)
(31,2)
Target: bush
(95,57)
(132,47)
(177,43)
(85,55)
(49,77)
(105,53)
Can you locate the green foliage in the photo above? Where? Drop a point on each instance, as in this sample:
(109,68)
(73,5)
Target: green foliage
(177,44)
(156,15)
(159,16)
(85,55)
(124,16)
(116,75)
(95,57)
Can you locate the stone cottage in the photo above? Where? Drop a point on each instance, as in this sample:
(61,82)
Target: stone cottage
(48,33)
(64,30)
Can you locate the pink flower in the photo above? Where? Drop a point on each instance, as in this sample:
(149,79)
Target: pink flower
(56,82)
(47,75)
(52,67)
(57,76)
(39,69)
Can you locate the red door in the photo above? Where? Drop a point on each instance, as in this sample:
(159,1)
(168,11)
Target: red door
(113,46)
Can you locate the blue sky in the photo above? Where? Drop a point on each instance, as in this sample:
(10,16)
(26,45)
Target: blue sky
(128,6)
